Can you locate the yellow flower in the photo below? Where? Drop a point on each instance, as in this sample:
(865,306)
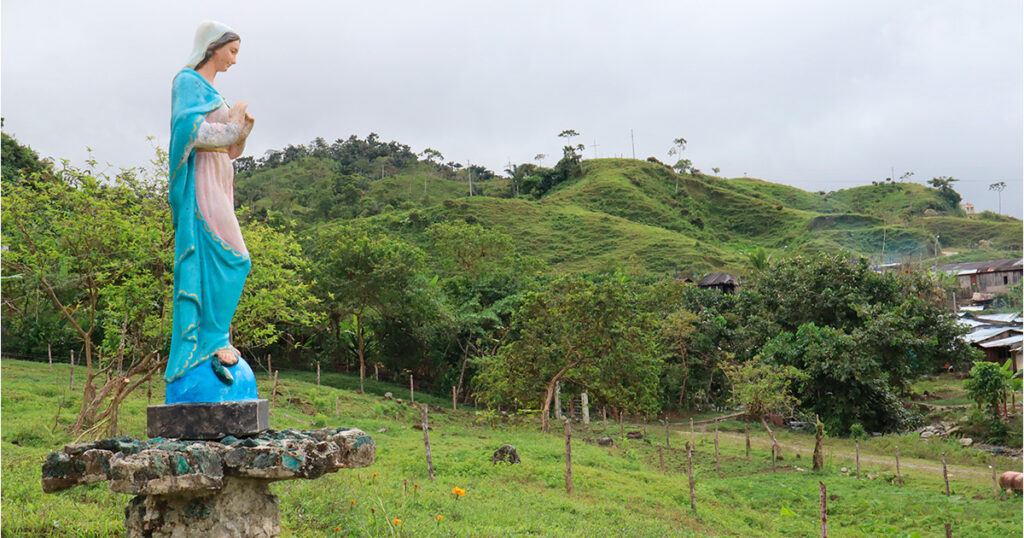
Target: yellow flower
(338,528)
(459,491)
(397,521)
(375,475)
(352,502)
(439,517)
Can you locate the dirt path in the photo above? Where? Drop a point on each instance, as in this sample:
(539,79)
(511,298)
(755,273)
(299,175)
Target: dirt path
(908,463)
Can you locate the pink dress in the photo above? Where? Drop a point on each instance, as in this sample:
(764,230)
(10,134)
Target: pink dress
(215,177)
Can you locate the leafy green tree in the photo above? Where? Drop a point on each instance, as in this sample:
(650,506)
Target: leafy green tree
(568,134)
(988,385)
(18,163)
(764,390)
(482,276)
(945,186)
(580,332)
(357,273)
(99,248)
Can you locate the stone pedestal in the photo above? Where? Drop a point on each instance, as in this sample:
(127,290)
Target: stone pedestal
(241,508)
(206,488)
(208,420)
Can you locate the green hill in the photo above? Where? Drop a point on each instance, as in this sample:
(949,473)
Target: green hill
(623,212)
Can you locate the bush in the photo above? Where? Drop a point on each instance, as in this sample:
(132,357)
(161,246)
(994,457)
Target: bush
(857,431)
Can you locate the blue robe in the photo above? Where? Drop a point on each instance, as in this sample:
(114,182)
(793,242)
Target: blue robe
(208,274)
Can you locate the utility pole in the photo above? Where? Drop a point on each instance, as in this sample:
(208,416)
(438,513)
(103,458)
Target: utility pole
(632,142)
(595,148)
(469,169)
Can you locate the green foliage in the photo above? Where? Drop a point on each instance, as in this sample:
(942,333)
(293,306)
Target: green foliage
(987,385)
(857,431)
(576,331)
(763,390)
(17,162)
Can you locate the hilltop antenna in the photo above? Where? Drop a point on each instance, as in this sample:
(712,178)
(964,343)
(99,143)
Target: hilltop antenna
(632,142)
(469,168)
(595,148)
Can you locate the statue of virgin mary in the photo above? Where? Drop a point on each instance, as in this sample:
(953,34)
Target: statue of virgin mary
(211,262)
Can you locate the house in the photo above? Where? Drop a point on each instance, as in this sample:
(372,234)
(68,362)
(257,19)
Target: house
(999,336)
(723,282)
(994,276)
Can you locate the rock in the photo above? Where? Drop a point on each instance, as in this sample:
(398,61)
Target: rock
(634,435)
(505,453)
(388,396)
(844,470)
(382,430)
(926,434)
(966,442)
(244,508)
(871,476)
(605,441)
(420,427)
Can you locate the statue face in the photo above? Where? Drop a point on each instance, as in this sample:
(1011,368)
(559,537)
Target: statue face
(224,57)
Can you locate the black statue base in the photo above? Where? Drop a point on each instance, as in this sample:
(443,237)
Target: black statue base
(208,420)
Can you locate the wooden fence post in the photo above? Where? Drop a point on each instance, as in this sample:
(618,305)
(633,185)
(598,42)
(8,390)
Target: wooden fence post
(426,443)
(454,398)
(273,392)
(823,509)
(689,474)
(746,433)
(899,475)
(49,356)
(318,373)
(945,473)
(568,457)
(773,457)
(949,530)
(693,441)
(337,406)
(412,392)
(718,463)
(857,444)
(667,443)
(604,418)
(270,368)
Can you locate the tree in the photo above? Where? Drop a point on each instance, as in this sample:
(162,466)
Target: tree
(433,157)
(539,157)
(517,173)
(988,385)
(99,248)
(358,273)
(998,187)
(576,331)
(682,165)
(764,390)
(568,134)
(945,186)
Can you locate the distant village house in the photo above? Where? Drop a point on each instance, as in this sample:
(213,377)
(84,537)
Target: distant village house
(995,276)
(723,282)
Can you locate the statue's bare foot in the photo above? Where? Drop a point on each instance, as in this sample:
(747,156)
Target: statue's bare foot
(227,357)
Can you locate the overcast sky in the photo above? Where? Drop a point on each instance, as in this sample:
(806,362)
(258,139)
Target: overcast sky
(818,95)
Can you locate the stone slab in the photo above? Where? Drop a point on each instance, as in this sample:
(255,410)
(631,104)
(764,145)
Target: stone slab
(201,421)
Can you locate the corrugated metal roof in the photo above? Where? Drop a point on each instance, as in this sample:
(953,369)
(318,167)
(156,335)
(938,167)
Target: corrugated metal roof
(1008,264)
(982,334)
(1013,317)
(1005,342)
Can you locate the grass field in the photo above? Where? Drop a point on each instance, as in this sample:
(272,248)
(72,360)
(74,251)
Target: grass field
(620,491)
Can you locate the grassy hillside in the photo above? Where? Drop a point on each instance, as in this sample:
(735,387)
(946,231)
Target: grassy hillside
(629,213)
(619,490)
